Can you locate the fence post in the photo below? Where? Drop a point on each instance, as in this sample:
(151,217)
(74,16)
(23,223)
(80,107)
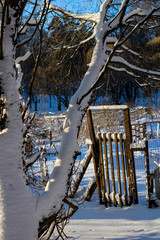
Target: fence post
(95,152)
(123,169)
(50,137)
(118,170)
(107,169)
(148,185)
(101,169)
(130,158)
(144,130)
(112,168)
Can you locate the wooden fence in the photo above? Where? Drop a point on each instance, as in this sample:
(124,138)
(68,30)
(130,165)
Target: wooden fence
(127,161)
(107,179)
(113,159)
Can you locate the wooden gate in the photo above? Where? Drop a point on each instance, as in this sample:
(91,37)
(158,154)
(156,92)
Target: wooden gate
(121,167)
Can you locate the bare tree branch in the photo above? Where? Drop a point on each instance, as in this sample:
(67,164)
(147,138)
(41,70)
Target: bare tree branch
(138,25)
(37,59)
(1,3)
(38,24)
(31,14)
(121,13)
(83,17)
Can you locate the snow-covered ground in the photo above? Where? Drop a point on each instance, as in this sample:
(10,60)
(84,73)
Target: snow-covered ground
(94,221)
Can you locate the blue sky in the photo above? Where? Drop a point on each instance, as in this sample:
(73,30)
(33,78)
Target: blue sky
(79,5)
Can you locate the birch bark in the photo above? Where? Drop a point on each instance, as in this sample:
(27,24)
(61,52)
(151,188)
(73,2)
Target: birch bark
(17,204)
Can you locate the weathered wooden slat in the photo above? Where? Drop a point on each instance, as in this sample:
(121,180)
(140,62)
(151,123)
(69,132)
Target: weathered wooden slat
(107,169)
(118,170)
(126,158)
(50,137)
(148,185)
(112,169)
(101,167)
(123,170)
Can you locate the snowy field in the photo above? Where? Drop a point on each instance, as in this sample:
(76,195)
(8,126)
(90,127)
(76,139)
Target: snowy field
(94,221)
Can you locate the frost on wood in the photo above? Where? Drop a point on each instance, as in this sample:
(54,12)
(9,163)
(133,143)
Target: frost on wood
(30,161)
(138,145)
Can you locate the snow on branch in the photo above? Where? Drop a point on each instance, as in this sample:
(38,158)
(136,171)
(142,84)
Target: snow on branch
(18,66)
(30,161)
(85,17)
(139,24)
(23,28)
(138,13)
(149,73)
(123,70)
(118,18)
(23,58)
(33,22)
(43,13)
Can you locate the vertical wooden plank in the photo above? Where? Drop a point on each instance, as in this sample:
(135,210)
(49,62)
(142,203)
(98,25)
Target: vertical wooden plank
(95,151)
(126,158)
(130,159)
(148,187)
(107,169)
(144,130)
(118,170)
(127,169)
(50,137)
(123,169)
(101,168)
(112,169)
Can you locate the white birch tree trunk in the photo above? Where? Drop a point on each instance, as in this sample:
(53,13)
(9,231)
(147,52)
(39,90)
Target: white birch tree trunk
(17,204)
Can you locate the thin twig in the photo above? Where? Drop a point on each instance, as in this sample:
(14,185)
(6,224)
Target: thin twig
(28,18)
